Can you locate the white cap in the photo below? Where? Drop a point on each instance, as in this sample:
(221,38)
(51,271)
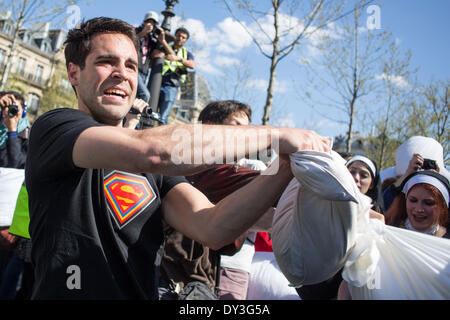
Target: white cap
(427,147)
(365,160)
(421,178)
(151,15)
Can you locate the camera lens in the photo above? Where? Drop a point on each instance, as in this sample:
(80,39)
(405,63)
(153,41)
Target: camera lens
(13,110)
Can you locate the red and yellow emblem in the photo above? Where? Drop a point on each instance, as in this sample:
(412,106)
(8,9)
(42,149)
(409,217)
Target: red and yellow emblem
(127,195)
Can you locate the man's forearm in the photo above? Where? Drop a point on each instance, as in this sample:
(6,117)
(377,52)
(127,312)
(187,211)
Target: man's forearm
(239,211)
(187,149)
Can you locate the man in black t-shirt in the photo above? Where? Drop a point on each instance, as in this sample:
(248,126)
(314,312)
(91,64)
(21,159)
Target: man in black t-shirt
(98,193)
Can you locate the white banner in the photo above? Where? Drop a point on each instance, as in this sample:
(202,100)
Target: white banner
(10,183)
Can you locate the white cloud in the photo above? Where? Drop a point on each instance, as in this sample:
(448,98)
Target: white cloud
(203,62)
(224,61)
(317,36)
(233,36)
(258,84)
(209,45)
(261,85)
(287,121)
(399,81)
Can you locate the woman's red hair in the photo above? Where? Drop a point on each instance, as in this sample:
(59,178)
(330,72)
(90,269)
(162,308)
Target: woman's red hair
(396,213)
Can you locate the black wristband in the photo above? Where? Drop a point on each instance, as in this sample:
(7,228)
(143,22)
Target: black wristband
(134,111)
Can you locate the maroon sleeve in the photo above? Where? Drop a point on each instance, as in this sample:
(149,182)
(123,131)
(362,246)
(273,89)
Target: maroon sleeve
(219,182)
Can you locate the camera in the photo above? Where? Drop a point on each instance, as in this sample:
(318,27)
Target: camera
(149,117)
(429,164)
(157,31)
(13,110)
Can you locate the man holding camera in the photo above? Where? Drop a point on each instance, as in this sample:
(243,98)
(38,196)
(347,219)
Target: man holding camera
(174,72)
(14,130)
(150,37)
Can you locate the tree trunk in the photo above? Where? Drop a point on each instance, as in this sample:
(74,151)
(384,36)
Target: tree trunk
(273,66)
(348,144)
(270,88)
(355,88)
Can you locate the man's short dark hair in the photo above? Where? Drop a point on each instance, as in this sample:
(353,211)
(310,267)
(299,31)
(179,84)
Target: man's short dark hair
(182,29)
(217,111)
(17,95)
(79,39)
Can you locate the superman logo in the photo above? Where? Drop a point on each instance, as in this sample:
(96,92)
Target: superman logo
(127,195)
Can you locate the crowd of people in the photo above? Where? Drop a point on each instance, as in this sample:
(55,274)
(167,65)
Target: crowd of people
(136,223)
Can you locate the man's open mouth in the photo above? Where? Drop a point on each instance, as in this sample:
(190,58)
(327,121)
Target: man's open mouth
(115,92)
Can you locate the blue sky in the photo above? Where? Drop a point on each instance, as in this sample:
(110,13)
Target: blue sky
(218,44)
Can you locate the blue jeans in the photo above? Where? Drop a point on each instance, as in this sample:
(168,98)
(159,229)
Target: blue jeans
(142,90)
(11,277)
(167,97)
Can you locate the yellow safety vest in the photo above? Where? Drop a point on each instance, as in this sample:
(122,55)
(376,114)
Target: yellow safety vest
(173,65)
(21,218)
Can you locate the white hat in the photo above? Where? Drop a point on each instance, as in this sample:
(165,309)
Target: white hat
(427,147)
(369,163)
(151,15)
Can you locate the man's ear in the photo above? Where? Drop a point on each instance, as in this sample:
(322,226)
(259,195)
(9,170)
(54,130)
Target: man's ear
(73,72)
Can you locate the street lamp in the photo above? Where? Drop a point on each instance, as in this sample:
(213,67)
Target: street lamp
(168,14)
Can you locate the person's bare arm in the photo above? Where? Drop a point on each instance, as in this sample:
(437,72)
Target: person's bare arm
(264,224)
(184,149)
(189,211)
(415,164)
(132,120)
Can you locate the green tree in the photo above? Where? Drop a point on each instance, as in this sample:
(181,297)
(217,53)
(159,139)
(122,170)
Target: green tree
(343,75)
(394,96)
(280,26)
(428,115)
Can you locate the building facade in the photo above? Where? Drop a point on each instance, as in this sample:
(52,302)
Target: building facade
(35,61)
(192,98)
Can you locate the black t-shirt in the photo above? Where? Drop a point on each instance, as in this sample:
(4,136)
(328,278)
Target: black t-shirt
(96,233)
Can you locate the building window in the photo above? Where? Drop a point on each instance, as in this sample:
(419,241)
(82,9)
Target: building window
(21,66)
(38,75)
(7,28)
(65,84)
(2,58)
(33,103)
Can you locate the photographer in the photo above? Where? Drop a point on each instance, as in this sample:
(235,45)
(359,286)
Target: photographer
(174,72)
(152,43)
(14,130)
(416,163)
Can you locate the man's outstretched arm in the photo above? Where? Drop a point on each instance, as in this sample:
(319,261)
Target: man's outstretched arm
(189,211)
(184,149)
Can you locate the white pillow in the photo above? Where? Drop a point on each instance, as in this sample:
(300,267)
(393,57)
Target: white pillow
(315,220)
(267,282)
